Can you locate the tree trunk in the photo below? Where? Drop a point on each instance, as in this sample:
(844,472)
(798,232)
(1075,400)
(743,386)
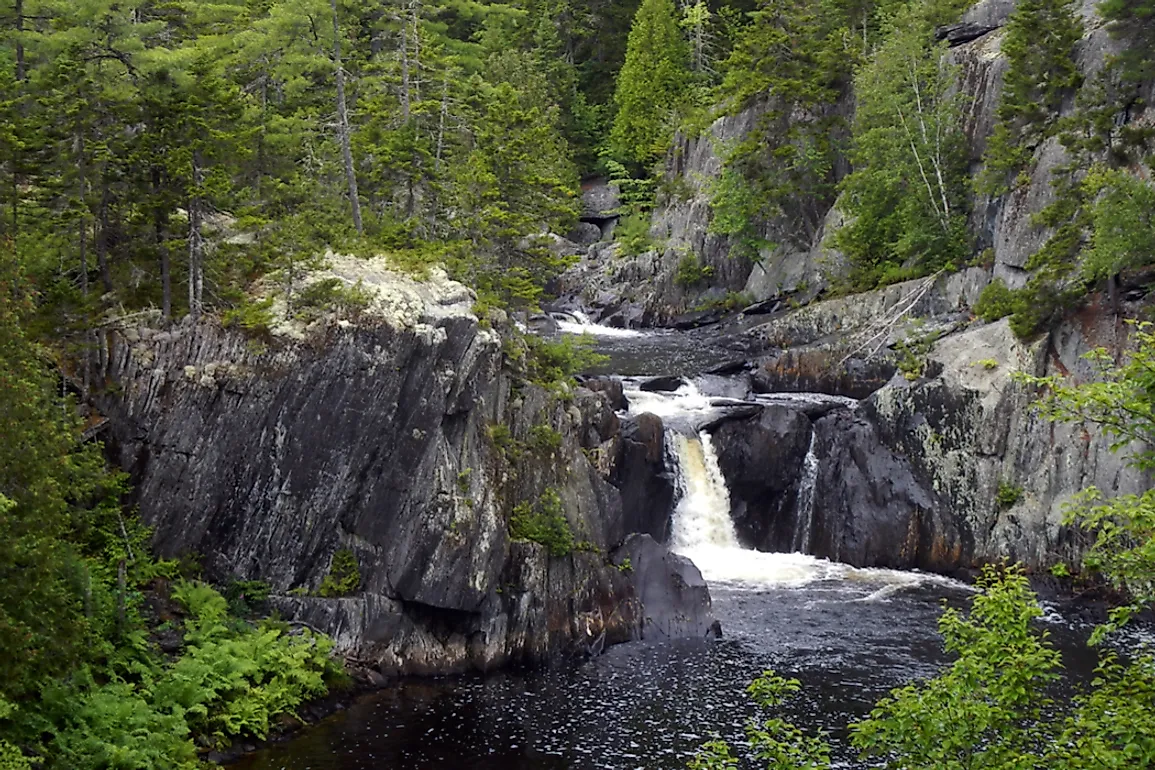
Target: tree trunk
(343,123)
(102,240)
(19,42)
(405,69)
(161,249)
(195,240)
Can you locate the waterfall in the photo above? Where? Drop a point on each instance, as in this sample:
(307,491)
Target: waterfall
(804,517)
(702,516)
(701,527)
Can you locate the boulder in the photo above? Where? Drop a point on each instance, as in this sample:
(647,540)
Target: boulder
(600,200)
(870,509)
(643,477)
(664,384)
(671,588)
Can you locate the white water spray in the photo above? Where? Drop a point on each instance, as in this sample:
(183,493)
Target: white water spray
(577,322)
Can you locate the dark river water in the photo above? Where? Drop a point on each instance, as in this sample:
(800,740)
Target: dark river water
(849,639)
(849,635)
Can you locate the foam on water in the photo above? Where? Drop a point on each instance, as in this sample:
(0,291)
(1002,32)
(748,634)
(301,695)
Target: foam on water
(577,322)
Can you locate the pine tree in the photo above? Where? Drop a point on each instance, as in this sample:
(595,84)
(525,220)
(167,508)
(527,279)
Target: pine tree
(652,85)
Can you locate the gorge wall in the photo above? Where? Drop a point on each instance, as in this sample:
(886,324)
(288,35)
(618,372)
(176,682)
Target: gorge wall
(404,437)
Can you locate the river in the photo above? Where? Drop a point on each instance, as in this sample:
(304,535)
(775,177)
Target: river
(849,635)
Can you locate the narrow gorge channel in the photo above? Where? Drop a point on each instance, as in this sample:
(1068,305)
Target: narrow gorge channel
(848,634)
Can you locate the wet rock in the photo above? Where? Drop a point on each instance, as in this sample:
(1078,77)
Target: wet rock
(611,388)
(643,477)
(670,587)
(698,318)
(820,370)
(765,307)
(870,509)
(761,458)
(664,384)
(963,32)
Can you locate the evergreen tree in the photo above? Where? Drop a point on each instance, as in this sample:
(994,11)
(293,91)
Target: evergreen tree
(1039,44)
(652,85)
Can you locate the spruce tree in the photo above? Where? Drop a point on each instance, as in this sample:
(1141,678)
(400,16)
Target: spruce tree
(652,85)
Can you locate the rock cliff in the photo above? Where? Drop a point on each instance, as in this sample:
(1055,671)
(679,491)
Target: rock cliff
(401,435)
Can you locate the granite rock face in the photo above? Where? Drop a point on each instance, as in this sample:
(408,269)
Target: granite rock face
(400,436)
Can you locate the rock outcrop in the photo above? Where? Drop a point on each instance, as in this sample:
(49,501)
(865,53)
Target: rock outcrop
(399,435)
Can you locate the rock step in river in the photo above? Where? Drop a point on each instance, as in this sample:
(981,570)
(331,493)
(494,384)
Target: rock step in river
(848,634)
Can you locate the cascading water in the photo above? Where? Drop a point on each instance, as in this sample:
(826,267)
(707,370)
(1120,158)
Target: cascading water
(804,520)
(701,527)
(577,322)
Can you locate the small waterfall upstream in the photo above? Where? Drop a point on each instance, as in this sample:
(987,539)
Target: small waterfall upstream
(577,322)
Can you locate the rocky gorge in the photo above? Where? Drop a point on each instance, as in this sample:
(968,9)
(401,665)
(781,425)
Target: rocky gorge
(409,435)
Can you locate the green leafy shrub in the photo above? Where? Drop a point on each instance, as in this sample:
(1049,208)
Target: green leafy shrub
(543,523)
(997,301)
(331,295)
(255,316)
(544,439)
(691,272)
(633,233)
(1008,495)
(12,758)
(553,362)
(344,576)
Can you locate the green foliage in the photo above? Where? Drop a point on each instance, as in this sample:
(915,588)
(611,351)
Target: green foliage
(691,272)
(11,758)
(544,440)
(553,363)
(1008,495)
(913,354)
(544,523)
(735,208)
(907,192)
(734,300)
(988,707)
(343,577)
(633,233)
(997,301)
(651,87)
(331,295)
(1122,224)
(1039,43)
(252,315)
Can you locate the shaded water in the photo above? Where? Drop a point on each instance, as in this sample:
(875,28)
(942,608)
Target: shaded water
(849,635)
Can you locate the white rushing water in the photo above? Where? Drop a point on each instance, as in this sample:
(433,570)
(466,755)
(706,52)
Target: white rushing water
(805,517)
(703,530)
(577,322)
